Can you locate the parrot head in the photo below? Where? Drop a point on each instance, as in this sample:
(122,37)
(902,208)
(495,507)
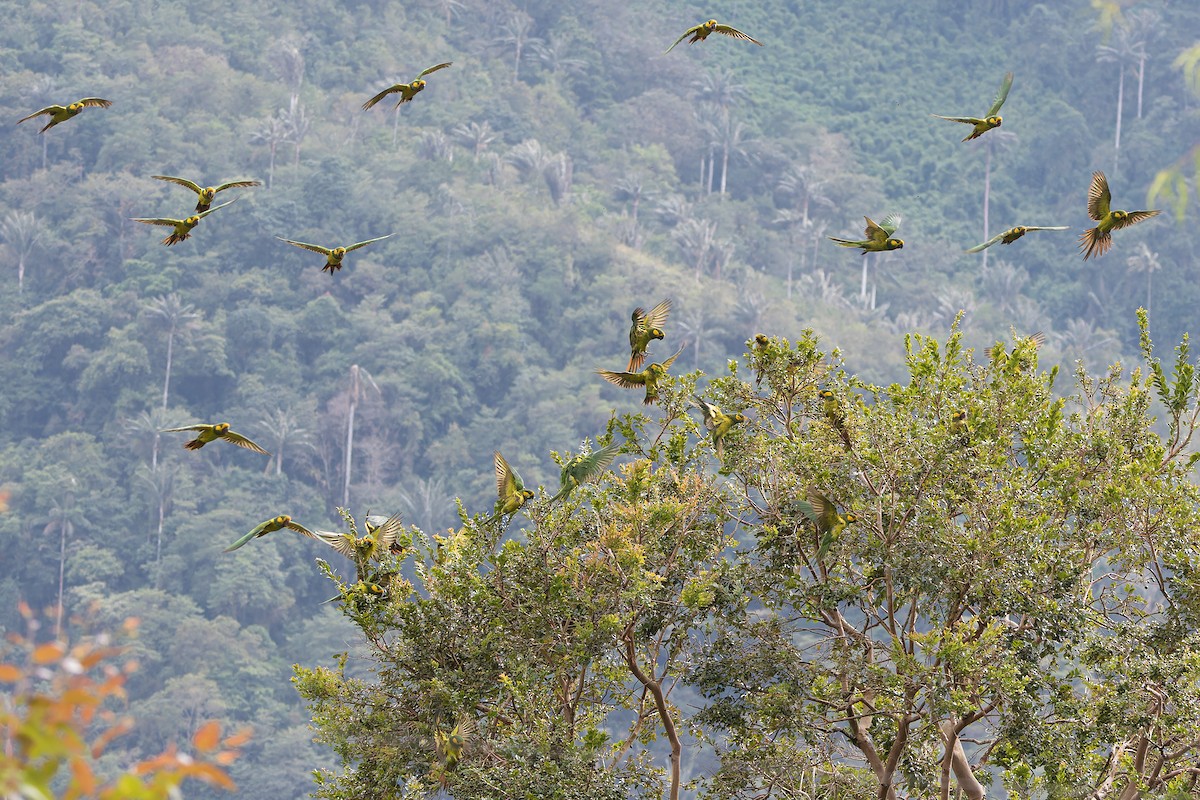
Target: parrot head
(192,221)
(417,85)
(1119,215)
(208,193)
(738,419)
(221,427)
(826,394)
(281,520)
(527,494)
(959,416)
(710,25)
(75,107)
(761,340)
(895,244)
(338,252)
(656,333)
(995,122)
(850,518)
(1019,230)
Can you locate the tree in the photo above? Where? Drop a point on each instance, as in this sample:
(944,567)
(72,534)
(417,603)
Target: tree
(177,318)
(22,232)
(360,381)
(1145,261)
(995,140)
(1126,49)
(272,133)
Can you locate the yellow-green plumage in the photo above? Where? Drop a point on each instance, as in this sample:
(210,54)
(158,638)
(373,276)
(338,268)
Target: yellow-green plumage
(879,236)
(647,326)
(824,515)
(990,120)
(717,422)
(380,539)
(59,114)
(333,255)
(206,433)
(183,227)
(270,526)
(702,31)
(407,91)
(1012,234)
(650,377)
(835,416)
(585,467)
(510,489)
(1097,241)
(205,194)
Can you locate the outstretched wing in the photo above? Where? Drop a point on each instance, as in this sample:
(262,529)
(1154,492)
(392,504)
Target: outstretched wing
(735,33)
(1099,197)
(1002,95)
(1134,217)
(236,185)
(399,87)
(890,223)
(316,248)
(979,247)
(181,181)
(342,542)
(686,34)
(367,242)
(197,427)
(626,380)
(435,68)
(657,316)
(1049,227)
(967,120)
(95,102)
(711,412)
(385,534)
(874,231)
(298,528)
(667,364)
(242,441)
(214,208)
(158,221)
(588,467)
(506,484)
(46,110)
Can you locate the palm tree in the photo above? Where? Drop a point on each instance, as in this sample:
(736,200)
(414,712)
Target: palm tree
(296,125)
(717,92)
(475,136)
(21,231)
(696,238)
(1003,284)
(177,319)
(695,324)
(41,93)
(159,484)
(273,133)
(360,381)
(64,517)
(529,157)
(1124,50)
(1144,260)
(554,56)
(994,141)
(517,32)
(558,174)
(427,502)
(283,430)
(629,190)
(148,426)
(288,62)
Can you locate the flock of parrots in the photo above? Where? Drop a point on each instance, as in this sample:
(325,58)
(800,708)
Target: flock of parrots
(512,494)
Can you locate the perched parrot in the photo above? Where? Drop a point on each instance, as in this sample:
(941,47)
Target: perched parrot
(992,118)
(407,91)
(701,32)
(510,489)
(205,194)
(824,515)
(334,256)
(959,427)
(646,328)
(1012,234)
(649,377)
(183,227)
(1005,360)
(270,526)
(210,433)
(878,236)
(380,539)
(1096,241)
(59,114)
(718,422)
(583,468)
(836,417)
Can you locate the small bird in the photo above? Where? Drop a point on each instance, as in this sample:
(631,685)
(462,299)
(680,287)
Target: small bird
(959,428)
(382,533)
(878,236)
(992,118)
(649,377)
(271,525)
(407,91)
(836,417)
(183,227)
(59,114)
(210,433)
(1096,241)
(701,32)
(334,256)
(585,467)
(510,489)
(646,328)
(1012,234)
(1010,361)
(205,194)
(717,422)
(824,515)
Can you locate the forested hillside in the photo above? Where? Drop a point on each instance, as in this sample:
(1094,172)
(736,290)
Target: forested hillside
(561,172)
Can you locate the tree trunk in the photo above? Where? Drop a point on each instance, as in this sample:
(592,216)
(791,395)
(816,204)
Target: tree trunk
(20,273)
(64,527)
(987,196)
(162,504)
(349,454)
(170,352)
(271,165)
(1120,110)
(1141,81)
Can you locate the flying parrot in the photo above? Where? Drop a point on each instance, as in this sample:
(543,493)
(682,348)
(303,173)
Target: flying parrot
(205,194)
(701,32)
(270,526)
(717,422)
(59,114)
(1004,360)
(649,377)
(879,236)
(183,227)
(1012,234)
(585,467)
(380,539)
(1096,241)
(210,433)
(647,326)
(510,489)
(407,91)
(824,515)
(992,118)
(333,256)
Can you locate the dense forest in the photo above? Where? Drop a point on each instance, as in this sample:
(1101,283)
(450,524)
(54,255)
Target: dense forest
(560,173)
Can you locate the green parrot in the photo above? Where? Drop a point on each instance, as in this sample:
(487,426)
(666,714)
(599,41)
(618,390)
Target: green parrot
(1096,241)
(59,114)
(585,467)
(205,194)
(210,433)
(824,515)
(646,328)
(992,118)
(334,256)
(836,417)
(271,525)
(407,91)
(1004,360)
(1012,234)
(718,422)
(183,227)
(382,533)
(649,377)
(879,236)
(510,489)
(701,32)
(959,427)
